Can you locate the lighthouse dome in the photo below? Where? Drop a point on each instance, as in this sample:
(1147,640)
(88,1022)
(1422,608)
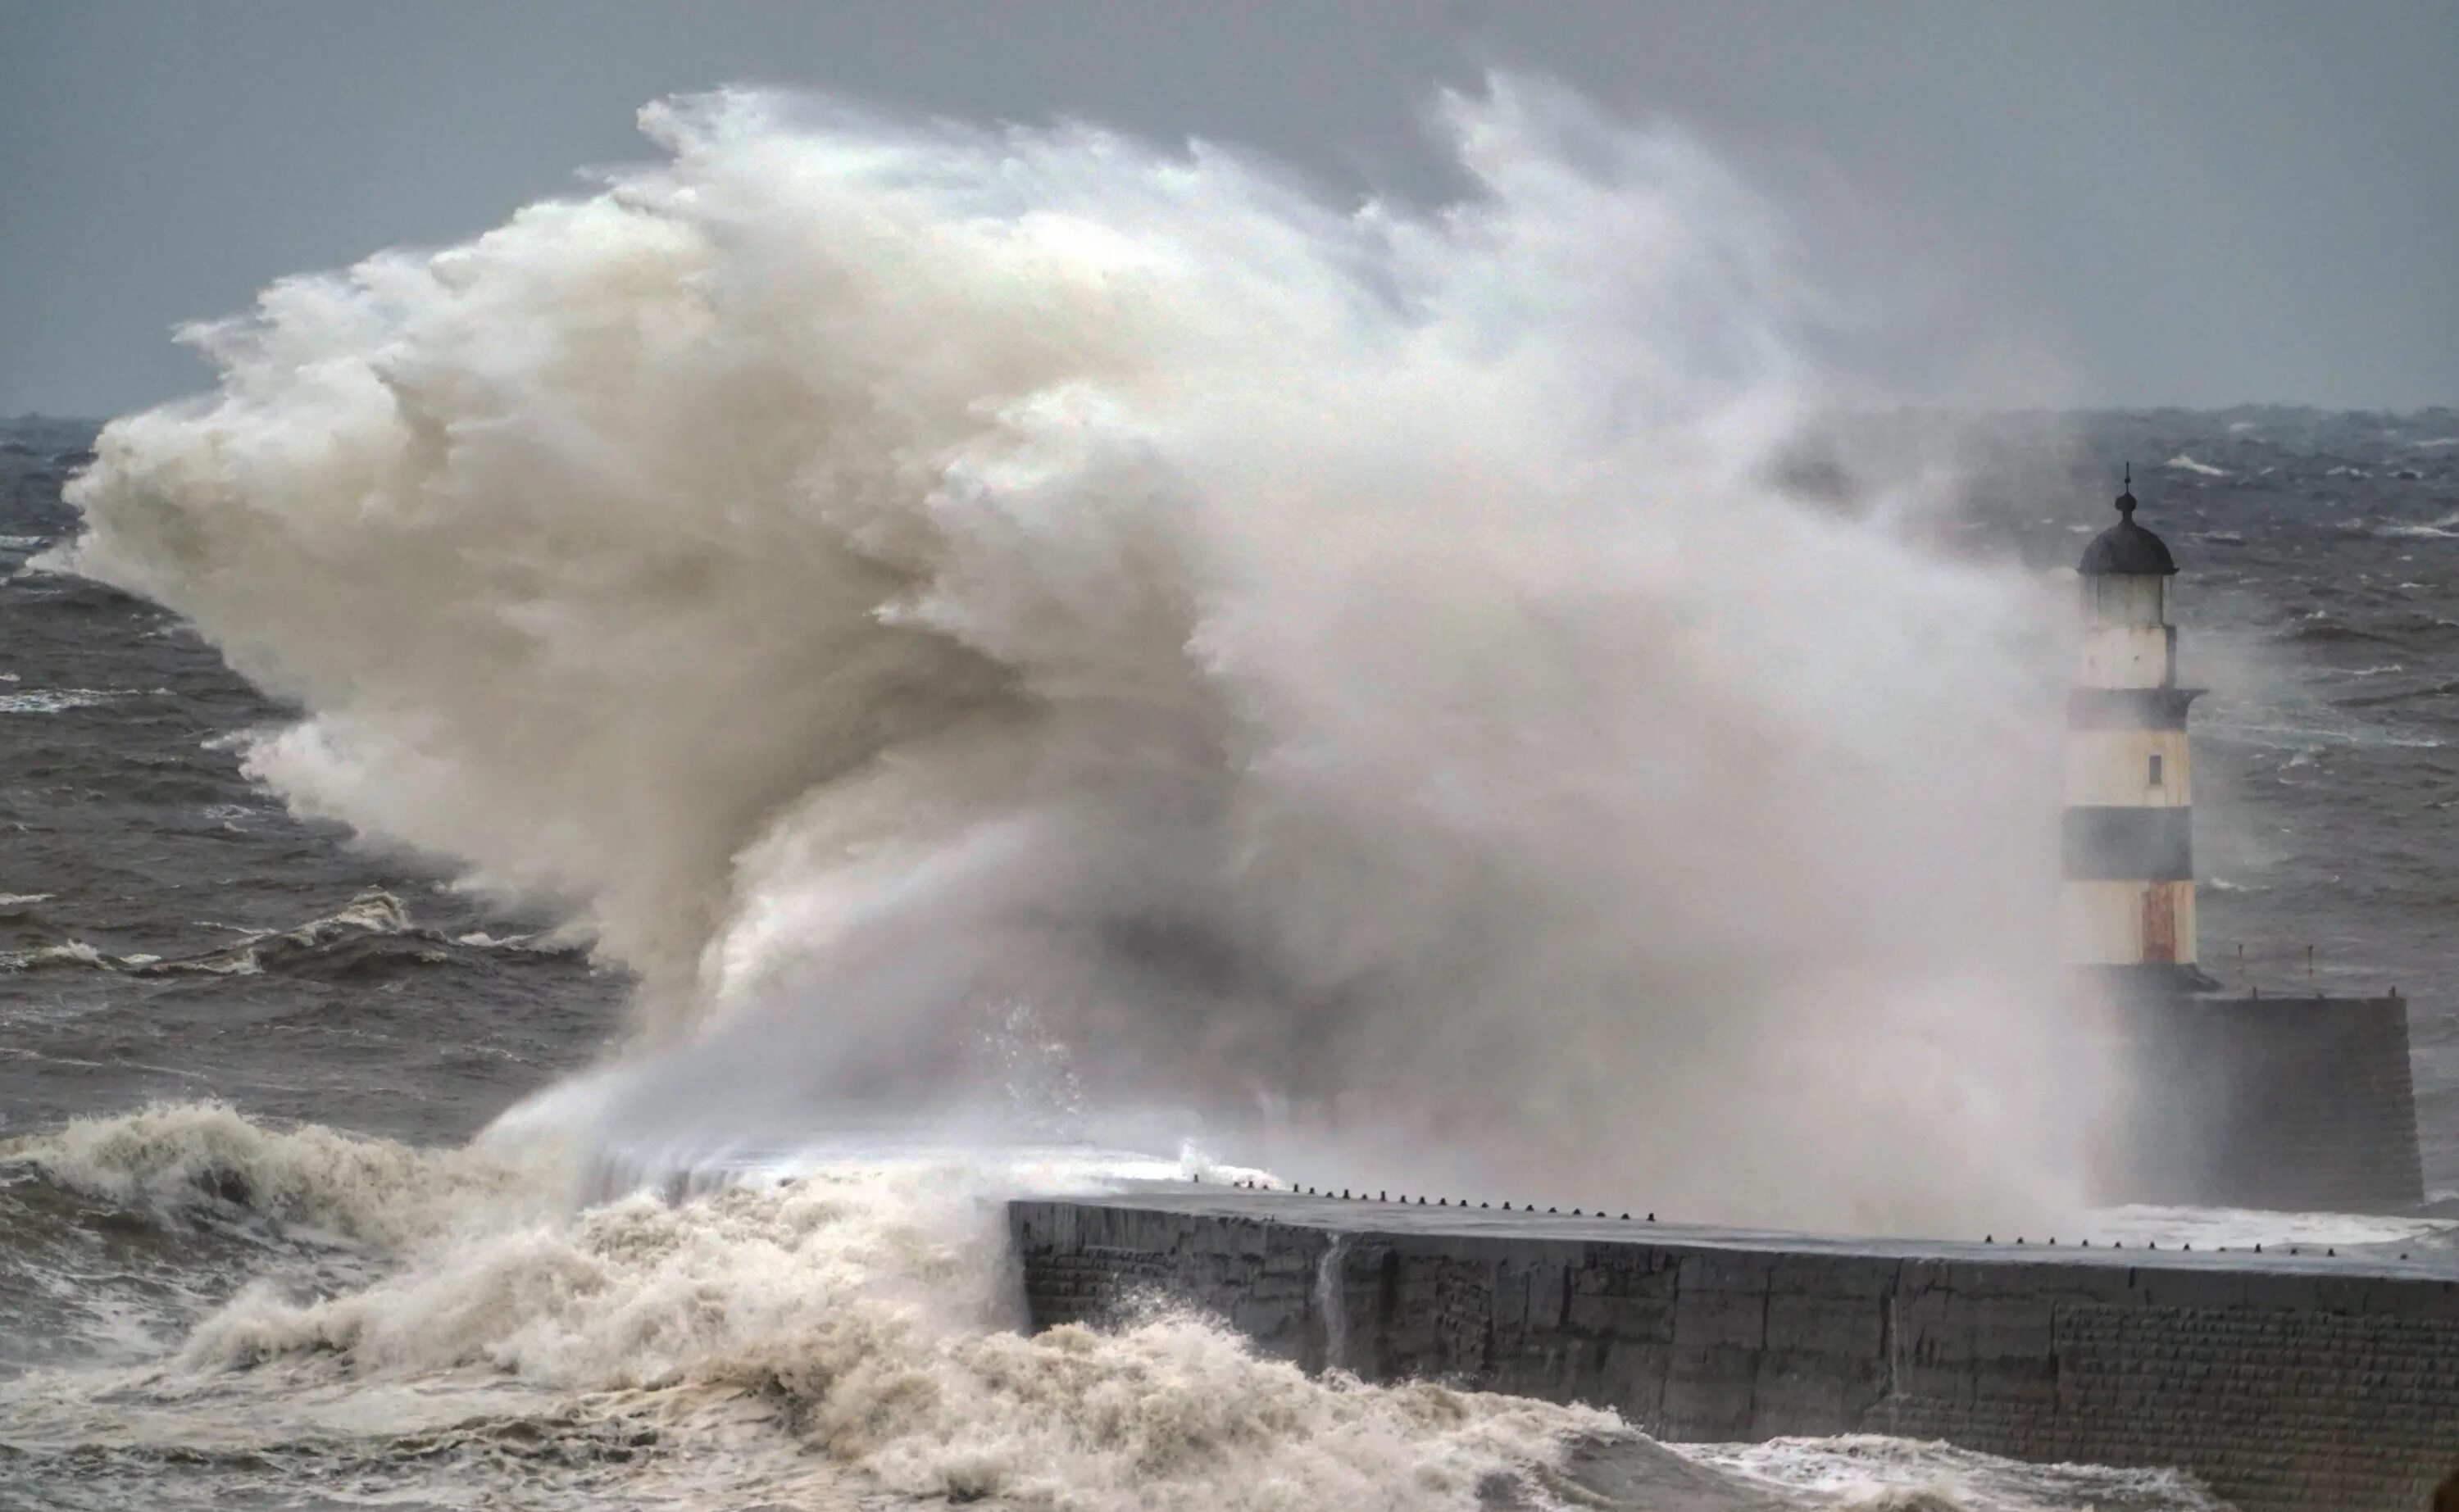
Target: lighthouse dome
(2127,548)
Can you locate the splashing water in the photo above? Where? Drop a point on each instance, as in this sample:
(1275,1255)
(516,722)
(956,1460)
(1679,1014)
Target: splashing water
(755,1342)
(1346,672)
(1015,636)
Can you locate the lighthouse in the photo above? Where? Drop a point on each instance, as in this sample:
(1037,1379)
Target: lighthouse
(2279,1098)
(2127,909)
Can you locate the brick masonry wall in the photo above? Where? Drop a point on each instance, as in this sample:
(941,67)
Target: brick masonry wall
(2292,1384)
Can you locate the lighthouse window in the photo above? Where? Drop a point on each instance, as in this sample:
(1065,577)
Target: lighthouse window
(2155,769)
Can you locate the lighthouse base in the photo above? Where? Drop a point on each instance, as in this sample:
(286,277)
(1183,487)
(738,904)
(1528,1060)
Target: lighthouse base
(2291,1103)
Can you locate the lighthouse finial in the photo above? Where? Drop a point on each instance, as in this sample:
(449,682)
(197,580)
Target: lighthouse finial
(2126,500)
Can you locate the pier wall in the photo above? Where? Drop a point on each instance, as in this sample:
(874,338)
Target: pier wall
(2283,1382)
(2294,1103)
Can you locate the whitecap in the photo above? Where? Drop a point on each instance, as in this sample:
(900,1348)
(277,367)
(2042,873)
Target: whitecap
(2187,464)
(55,700)
(73,952)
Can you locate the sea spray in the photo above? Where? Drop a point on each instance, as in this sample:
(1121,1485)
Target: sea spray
(831,1328)
(1363,677)
(857,1305)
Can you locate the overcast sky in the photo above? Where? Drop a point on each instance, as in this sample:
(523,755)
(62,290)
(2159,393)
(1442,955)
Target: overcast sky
(2182,203)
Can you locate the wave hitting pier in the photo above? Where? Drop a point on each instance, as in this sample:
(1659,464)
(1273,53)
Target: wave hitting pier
(2284,1381)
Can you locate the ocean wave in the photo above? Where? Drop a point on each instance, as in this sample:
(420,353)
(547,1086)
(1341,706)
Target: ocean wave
(373,917)
(2320,625)
(56,700)
(1867,1472)
(190,1157)
(854,1317)
(2432,690)
(70,953)
(1037,557)
(2183,463)
(867,1298)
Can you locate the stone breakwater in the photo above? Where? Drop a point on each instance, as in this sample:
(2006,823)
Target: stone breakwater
(2284,1381)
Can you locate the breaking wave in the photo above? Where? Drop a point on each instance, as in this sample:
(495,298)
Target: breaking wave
(178,1158)
(1024,643)
(371,919)
(860,1303)
(2447,528)
(847,1309)
(1356,679)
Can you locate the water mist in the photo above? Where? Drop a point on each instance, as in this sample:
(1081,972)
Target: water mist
(1032,632)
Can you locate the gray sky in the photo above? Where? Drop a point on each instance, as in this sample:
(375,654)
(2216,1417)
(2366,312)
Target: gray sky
(2196,202)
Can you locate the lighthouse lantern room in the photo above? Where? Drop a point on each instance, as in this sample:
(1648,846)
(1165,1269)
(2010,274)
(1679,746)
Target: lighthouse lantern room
(2128,905)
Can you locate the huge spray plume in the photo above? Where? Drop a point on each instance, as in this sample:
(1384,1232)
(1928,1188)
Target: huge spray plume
(973,615)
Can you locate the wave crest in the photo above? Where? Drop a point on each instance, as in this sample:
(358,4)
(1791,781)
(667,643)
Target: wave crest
(186,1156)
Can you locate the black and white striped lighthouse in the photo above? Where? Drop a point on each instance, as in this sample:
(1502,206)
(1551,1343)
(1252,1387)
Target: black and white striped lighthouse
(2128,905)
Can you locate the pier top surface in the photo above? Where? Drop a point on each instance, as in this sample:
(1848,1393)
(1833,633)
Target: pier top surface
(2425,1259)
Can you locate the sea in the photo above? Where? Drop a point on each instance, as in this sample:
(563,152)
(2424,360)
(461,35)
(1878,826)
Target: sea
(265,1241)
(573,827)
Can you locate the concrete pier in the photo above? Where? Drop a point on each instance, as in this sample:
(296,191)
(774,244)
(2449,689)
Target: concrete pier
(2284,1381)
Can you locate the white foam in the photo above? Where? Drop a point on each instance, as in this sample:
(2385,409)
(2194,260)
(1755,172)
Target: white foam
(2187,464)
(70,953)
(178,1155)
(814,1313)
(871,1293)
(55,700)
(1865,1473)
(2243,1228)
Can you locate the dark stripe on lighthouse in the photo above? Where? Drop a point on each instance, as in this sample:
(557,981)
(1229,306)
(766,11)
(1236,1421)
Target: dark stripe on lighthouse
(2130,708)
(2130,845)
